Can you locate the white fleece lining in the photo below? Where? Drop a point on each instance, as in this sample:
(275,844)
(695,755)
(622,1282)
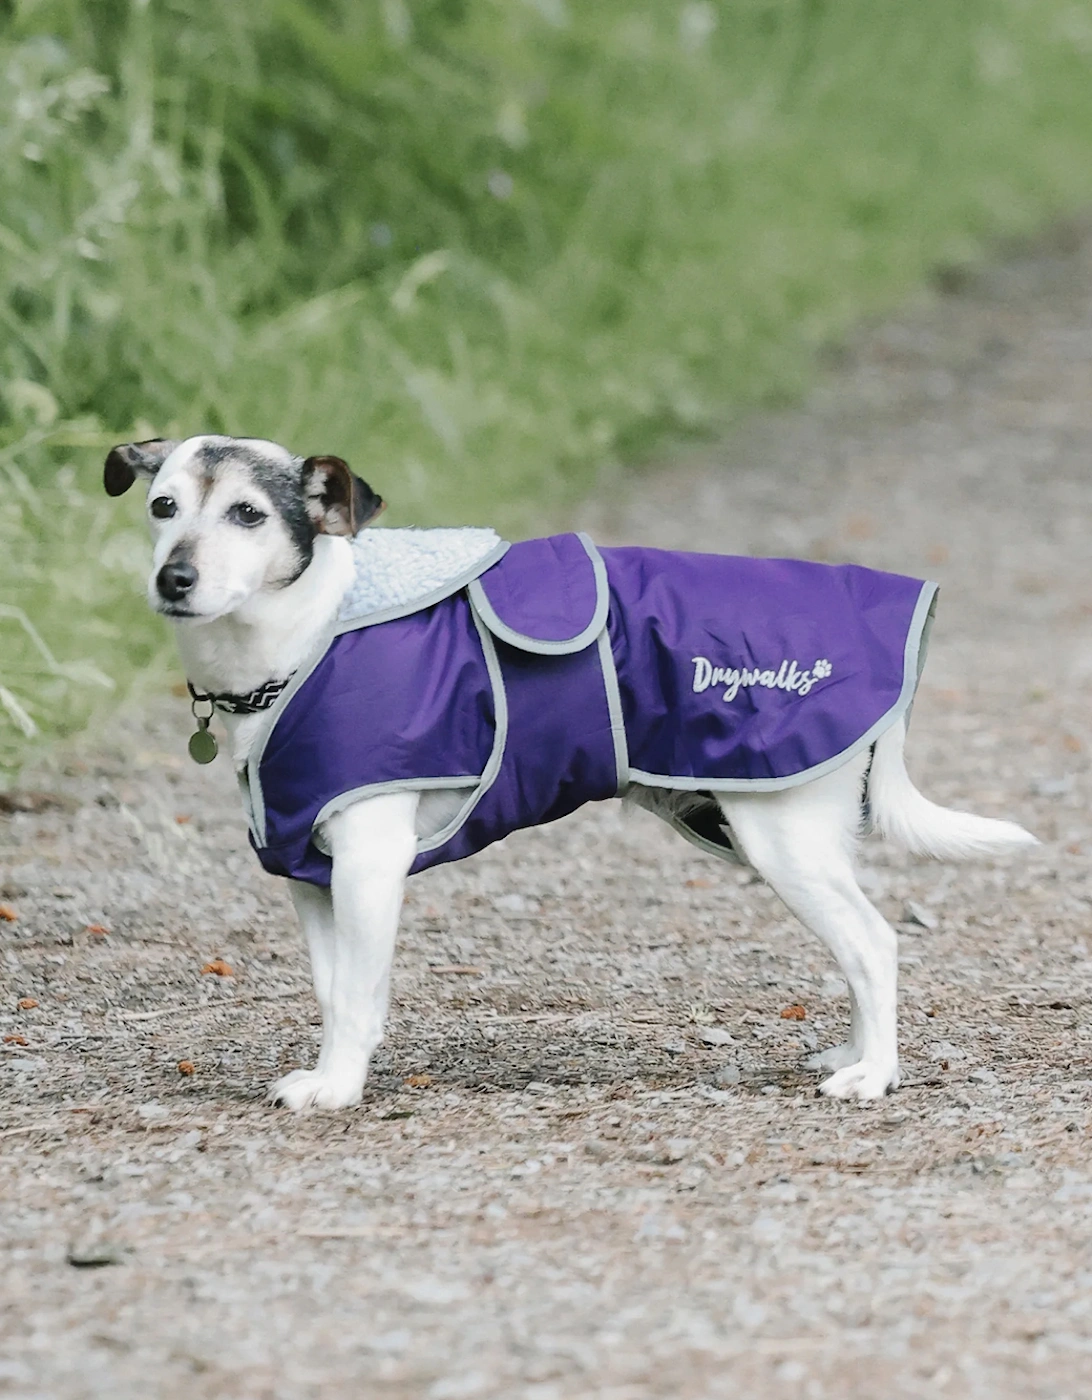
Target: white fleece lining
(396,571)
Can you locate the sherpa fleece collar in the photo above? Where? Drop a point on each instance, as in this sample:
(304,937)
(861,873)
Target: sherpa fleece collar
(399,571)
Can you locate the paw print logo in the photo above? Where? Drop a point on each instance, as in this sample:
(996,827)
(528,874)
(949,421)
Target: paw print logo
(821,670)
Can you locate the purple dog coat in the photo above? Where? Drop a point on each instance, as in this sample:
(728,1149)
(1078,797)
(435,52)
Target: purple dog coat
(562,674)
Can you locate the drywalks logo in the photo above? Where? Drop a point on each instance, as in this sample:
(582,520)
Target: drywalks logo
(788,676)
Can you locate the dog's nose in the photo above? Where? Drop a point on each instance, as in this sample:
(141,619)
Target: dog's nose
(174,581)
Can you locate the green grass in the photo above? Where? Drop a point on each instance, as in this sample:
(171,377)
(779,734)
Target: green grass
(478,247)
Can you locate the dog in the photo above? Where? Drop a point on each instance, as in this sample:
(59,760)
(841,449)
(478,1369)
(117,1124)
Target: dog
(330,650)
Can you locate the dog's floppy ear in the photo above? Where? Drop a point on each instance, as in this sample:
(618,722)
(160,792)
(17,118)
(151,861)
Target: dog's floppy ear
(132,459)
(338,502)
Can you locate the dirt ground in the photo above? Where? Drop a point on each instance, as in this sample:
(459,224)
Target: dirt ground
(587,1164)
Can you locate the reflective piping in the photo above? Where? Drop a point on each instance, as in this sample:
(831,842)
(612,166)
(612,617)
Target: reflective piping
(244,795)
(584,638)
(266,727)
(913,659)
(614,708)
(347,799)
(496,756)
(482,784)
(426,600)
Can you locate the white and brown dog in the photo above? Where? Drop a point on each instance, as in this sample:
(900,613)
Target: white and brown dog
(256,552)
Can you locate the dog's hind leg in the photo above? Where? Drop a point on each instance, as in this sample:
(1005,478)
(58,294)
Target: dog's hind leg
(373,844)
(801,841)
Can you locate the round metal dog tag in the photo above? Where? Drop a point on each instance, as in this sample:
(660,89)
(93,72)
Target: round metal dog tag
(203,746)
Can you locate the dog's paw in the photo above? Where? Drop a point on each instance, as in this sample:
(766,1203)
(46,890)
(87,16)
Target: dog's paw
(837,1057)
(864,1081)
(314,1088)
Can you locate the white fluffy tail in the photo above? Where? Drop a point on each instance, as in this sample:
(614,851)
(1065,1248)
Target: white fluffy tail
(903,815)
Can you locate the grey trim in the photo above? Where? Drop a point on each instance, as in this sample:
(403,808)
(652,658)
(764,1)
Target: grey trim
(913,659)
(426,600)
(926,633)
(614,707)
(361,794)
(480,785)
(484,608)
(268,723)
(496,754)
(244,795)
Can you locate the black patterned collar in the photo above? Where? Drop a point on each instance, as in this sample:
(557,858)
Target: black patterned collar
(261,699)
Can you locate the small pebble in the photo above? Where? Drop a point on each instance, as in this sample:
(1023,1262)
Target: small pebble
(1054,787)
(95,1254)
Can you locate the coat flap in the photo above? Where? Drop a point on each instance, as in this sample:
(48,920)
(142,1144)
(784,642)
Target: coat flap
(548,596)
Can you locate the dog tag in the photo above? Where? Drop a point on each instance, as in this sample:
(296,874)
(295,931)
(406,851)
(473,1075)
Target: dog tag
(203,745)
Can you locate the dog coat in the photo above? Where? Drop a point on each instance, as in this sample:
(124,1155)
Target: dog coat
(543,675)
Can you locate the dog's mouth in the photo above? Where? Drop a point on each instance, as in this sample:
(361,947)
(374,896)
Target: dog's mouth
(183,612)
(196,605)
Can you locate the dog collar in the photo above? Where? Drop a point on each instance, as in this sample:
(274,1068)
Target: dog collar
(261,699)
(203,746)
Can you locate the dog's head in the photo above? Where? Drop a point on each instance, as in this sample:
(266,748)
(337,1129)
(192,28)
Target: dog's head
(231,517)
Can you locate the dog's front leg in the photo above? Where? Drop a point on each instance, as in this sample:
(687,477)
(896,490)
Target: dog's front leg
(351,935)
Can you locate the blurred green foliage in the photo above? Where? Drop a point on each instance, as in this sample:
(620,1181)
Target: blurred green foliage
(477,247)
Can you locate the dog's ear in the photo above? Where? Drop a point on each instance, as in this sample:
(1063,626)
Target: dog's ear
(338,502)
(132,459)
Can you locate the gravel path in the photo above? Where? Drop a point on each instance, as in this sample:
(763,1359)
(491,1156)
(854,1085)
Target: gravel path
(557,1188)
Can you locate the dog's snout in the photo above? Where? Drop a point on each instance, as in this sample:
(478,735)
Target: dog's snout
(175,580)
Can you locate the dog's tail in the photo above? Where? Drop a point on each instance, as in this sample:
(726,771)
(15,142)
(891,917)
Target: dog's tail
(903,815)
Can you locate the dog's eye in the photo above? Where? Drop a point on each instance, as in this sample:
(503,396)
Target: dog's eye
(162,507)
(243,513)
